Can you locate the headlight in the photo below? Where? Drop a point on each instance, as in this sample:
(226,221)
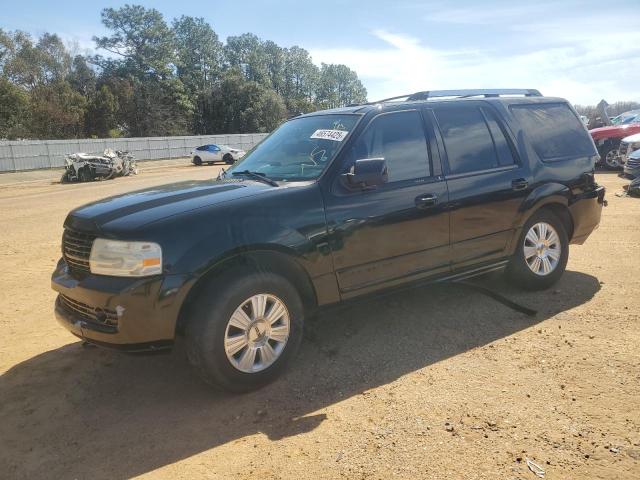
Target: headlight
(125,259)
(634,146)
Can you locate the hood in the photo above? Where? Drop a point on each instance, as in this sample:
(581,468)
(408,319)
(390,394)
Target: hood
(632,138)
(615,131)
(136,209)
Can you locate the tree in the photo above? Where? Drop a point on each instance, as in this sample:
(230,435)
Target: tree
(14,110)
(339,86)
(141,38)
(159,103)
(301,79)
(30,65)
(247,53)
(101,119)
(241,106)
(82,77)
(57,111)
(199,53)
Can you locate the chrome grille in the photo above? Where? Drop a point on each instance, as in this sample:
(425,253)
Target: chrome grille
(100,316)
(633,162)
(76,249)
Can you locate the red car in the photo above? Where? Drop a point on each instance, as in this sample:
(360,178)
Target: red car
(607,139)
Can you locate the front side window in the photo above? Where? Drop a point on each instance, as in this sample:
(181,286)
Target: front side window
(555,131)
(467,139)
(399,138)
(300,149)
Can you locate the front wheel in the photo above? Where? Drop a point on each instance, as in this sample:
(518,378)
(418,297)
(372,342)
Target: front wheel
(611,158)
(228,159)
(540,258)
(243,335)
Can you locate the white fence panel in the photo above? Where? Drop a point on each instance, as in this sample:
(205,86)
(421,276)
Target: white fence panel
(34,154)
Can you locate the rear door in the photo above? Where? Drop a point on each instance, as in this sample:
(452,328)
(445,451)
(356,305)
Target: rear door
(398,231)
(487,182)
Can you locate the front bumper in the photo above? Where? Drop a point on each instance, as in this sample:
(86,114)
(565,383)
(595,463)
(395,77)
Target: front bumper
(632,171)
(124,313)
(586,211)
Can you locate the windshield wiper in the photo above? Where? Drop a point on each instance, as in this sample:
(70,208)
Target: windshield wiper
(257,176)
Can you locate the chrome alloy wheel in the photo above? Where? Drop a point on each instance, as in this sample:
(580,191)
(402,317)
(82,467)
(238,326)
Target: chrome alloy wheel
(542,249)
(612,159)
(257,333)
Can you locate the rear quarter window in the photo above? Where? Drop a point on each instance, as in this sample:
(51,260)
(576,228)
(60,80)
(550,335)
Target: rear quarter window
(554,131)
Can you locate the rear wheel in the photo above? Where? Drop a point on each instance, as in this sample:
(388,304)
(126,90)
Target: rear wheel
(228,159)
(197,161)
(244,330)
(541,255)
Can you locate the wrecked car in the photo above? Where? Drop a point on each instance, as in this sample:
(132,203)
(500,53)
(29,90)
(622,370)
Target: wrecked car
(607,139)
(83,167)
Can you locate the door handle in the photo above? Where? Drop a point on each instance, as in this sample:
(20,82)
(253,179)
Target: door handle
(519,184)
(426,201)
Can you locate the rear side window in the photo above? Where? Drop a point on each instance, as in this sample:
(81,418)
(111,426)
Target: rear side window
(467,140)
(554,130)
(399,138)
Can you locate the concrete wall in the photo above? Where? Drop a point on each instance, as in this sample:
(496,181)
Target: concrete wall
(21,155)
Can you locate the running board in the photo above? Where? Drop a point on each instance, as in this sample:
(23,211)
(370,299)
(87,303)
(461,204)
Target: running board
(473,273)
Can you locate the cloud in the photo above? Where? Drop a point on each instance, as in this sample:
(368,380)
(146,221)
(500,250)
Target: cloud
(580,65)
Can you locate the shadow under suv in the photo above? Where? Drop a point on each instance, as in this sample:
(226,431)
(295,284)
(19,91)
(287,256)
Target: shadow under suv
(333,205)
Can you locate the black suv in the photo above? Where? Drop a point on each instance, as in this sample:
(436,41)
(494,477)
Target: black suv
(331,206)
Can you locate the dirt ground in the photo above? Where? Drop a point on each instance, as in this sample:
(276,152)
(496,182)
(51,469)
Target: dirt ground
(438,382)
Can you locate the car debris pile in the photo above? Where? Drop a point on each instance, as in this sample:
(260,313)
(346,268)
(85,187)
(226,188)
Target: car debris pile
(83,167)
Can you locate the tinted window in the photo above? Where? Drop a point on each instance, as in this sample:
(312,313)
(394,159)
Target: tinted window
(503,149)
(201,149)
(554,131)
(399,139)
(466,138)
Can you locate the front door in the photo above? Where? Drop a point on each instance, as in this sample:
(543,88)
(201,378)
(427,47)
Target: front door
(398,231)
(487,183)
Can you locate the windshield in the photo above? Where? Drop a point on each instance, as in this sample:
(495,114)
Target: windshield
(300,149)
(626,118)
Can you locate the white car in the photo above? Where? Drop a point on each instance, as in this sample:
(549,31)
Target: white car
(628,145)
(215,153)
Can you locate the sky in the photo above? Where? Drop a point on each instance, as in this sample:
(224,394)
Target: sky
(580,50)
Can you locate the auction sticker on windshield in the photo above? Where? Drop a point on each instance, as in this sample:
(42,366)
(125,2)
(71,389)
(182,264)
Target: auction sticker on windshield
(335,135)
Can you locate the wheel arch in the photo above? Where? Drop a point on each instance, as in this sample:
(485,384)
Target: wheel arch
(269,258)
(553,197)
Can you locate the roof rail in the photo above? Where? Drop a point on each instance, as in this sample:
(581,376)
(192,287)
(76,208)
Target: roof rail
(487,92)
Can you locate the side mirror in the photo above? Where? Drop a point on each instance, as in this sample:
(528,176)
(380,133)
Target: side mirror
(367,173)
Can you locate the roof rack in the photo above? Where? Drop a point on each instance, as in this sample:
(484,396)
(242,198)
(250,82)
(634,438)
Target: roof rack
(487,92)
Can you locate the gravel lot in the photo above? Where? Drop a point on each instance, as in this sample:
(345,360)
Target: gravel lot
(438,383)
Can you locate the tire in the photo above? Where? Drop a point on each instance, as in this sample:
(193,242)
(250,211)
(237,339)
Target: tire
(521,271)
(228,159)
(197,161)
(210,330)
(610,158)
